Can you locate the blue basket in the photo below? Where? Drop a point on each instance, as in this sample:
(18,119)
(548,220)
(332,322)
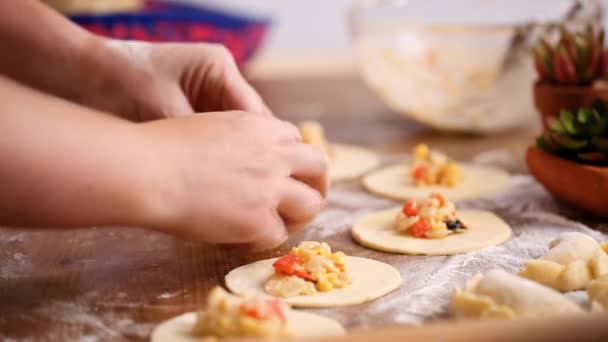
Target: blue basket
(166,22)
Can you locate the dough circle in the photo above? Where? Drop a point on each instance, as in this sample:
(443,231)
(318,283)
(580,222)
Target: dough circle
(302,324)
(371,279)
(351,162)
(394,182)
(377,231)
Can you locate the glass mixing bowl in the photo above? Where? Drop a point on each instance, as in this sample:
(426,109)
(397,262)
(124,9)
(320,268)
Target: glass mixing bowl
(459,65)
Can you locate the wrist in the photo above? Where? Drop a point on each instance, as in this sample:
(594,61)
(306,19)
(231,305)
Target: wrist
(105,71)
(155,194)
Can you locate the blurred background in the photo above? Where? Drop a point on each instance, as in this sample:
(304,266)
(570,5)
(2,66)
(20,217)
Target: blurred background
(300,29)
(452,65)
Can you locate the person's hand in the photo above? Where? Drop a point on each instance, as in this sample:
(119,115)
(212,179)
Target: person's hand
(146,81)
(138,81)
(234,178)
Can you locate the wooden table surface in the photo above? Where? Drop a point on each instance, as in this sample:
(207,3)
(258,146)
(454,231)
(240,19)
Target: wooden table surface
(117,283)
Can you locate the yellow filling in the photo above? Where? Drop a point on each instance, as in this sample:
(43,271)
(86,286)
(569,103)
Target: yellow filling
(438,168)
(436,210)
(313,134)
(326,271)
(227,315)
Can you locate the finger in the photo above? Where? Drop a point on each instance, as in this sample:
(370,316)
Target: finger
(175,105)
(240,95)
(293,227)
(290,132)
(258,105)
(272,235)
(282,131)
(299,204)
(249,247)
(310,164)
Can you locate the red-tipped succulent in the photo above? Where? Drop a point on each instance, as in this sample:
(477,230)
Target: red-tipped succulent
(576,59)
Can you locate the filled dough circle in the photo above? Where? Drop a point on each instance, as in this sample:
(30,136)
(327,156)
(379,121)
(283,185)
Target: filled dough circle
(302,324)
(484,229)
(395,182)
(351,162)
(371,279)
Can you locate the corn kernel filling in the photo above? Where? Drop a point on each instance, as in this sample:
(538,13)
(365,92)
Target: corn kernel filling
(431,167)
(433,217)
(321,270)
(313,134)
(248,315)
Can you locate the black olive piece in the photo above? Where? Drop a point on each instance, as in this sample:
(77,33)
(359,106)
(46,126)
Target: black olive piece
(454,224)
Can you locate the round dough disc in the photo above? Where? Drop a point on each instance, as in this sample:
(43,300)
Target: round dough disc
(371,279)
(377,231)
(302,324)
(394,182)
(351,162)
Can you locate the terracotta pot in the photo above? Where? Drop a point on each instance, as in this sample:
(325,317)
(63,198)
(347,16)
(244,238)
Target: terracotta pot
(550,99)
(582,186)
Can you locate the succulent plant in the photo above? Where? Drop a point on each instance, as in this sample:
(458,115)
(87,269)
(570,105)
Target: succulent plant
(576,59)
(580,136)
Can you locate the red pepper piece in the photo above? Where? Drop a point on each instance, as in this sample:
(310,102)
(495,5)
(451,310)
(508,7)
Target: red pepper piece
(420,228)
(291,265)
(420,172)
(439,197)
(277,310)
(410,208)
(265,311)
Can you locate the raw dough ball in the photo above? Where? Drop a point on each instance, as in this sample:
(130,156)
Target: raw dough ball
(598,293)
(302,324)
(351,162)
(502,295)
(377,231)
(371,279)
(573,260)
(395,182)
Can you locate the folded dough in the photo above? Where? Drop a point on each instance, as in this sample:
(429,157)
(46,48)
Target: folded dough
(598,293)
(503,295)
(573,260)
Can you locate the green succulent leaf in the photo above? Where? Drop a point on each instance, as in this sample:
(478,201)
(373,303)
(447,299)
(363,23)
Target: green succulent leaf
(567,142)
(575,58)
(556,125)
(602,110)
(567,120)
(540,142)
(583,115)
(580,135)
(594,124)
(543,61)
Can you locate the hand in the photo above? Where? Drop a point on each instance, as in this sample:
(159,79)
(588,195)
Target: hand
(166,80)
(138,81)
(233,177)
